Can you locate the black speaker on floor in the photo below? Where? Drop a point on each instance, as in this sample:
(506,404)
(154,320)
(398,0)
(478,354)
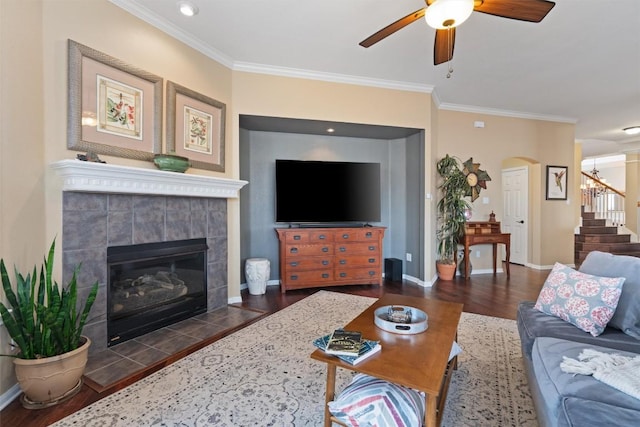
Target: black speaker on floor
(393,269)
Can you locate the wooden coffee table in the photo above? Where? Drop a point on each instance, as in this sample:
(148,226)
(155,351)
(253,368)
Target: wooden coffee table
(419,361)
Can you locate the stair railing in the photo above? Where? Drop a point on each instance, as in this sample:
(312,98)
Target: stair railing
(605,201)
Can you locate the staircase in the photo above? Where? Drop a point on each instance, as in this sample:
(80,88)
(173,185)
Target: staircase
(595,234)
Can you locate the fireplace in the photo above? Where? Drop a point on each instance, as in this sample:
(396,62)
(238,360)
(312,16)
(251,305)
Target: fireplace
(106,205)
(153,285)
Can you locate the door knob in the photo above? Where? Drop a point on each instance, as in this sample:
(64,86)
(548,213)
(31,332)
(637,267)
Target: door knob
(520,222)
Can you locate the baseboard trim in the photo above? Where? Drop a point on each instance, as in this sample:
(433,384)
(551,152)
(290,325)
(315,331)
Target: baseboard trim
(9,396)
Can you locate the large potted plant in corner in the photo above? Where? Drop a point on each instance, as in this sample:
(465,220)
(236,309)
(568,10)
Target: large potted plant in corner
(46,325)
(451,214)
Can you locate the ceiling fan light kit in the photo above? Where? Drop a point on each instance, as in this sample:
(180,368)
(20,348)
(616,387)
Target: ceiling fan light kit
(633,130)
(443,14)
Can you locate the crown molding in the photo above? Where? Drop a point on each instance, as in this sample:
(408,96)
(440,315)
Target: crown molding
(505,113)
(331,77)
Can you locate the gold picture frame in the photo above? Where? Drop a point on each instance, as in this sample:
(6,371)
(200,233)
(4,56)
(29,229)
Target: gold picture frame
(113,108)
(195,127)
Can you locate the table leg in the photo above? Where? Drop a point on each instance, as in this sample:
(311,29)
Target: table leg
(329,393)
(495,254)
(467,272)
(430,412)
(508,245)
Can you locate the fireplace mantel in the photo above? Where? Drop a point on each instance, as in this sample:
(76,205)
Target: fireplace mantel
(94,177)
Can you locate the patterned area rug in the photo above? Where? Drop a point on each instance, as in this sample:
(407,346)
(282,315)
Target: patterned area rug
(262,375)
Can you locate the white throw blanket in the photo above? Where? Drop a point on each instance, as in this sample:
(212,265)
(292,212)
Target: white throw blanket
(615,370)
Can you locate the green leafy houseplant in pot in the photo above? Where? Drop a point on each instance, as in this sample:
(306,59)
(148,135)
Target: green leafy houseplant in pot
(46,324)
(451,209)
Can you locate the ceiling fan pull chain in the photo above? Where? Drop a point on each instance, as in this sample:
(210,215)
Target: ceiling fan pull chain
(450,70)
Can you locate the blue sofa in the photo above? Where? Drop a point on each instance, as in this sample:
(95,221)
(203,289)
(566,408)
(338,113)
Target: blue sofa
(563,399)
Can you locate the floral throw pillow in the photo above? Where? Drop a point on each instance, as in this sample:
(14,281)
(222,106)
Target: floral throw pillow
(581,299)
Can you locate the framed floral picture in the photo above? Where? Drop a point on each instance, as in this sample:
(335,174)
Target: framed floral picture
(557,182)
(113,108)
(195,127)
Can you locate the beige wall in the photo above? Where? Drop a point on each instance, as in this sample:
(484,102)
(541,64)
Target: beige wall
(538,143)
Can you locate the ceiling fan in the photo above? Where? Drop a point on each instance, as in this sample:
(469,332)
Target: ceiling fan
(445,15)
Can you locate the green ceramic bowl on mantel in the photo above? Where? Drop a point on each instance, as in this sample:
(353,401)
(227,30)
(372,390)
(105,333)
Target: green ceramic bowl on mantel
(171,162)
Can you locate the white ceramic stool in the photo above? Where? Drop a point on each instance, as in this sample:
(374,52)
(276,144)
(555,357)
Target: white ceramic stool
(257,272)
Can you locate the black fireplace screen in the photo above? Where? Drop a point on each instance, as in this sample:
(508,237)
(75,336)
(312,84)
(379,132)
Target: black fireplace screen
(153,285)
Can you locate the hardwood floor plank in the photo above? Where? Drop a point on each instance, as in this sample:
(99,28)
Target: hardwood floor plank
(482,294)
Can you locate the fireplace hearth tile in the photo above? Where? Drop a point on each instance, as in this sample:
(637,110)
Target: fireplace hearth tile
(108,368)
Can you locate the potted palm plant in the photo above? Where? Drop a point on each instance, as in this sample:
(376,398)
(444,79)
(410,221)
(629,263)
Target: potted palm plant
(451,214)
(46,325)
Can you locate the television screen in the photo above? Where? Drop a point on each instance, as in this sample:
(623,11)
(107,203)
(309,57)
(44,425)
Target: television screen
(327,192)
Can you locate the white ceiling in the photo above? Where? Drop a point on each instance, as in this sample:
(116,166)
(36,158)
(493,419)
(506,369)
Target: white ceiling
(581,64)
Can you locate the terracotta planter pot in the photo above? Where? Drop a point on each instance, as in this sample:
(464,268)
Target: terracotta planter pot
(51,380)
(446,271)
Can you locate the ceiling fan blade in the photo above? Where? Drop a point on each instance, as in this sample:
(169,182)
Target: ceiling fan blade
(443,46)
(522,10)
(392,28)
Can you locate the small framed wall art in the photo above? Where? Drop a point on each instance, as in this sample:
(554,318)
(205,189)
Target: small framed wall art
(113,108)
(195,127)
(557,182)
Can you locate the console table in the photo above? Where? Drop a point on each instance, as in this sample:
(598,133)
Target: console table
(485,232)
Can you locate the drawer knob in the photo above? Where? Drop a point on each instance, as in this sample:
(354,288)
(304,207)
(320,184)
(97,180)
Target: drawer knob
(293,264)
(294,277)
(372,260)
(369,234)
(325,249)
(297,237)
(343,249)
(372,248)
(345,236)
(294,250)
(372,273)
(343,274)
(325,275)
(325,262)
(343,261)
(322,237)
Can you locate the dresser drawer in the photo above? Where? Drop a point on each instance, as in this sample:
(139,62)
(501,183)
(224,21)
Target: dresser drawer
(308,263)
(358,235)
(304,277)
(372,260)
(372,274)
(308,250)
(356,248)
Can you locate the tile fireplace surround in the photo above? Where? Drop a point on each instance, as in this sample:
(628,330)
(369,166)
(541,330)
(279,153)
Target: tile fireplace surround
(108,205)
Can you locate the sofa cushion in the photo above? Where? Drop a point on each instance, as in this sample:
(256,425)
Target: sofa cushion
(533,323)
(584,300)
(557,387)
(627,315)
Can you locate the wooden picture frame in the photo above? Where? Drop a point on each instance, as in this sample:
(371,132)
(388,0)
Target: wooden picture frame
(195,127)
(113,108)
(557,182)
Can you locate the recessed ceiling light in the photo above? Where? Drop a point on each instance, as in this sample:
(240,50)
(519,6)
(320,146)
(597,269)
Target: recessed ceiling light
(633,130)
(187,8)
(331,130)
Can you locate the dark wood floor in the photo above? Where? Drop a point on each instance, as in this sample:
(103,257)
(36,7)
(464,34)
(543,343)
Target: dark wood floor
(482,294)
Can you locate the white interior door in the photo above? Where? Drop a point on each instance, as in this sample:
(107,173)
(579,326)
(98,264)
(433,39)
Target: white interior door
(515,194)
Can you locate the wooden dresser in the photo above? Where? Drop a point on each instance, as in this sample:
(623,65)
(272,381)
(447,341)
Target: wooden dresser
(315,257)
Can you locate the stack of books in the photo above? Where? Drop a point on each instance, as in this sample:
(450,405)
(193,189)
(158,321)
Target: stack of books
(349,346)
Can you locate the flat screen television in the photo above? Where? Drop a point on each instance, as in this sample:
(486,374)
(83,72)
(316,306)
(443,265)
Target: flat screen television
(320,192)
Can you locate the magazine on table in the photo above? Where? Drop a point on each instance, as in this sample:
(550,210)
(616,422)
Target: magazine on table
(367,349)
